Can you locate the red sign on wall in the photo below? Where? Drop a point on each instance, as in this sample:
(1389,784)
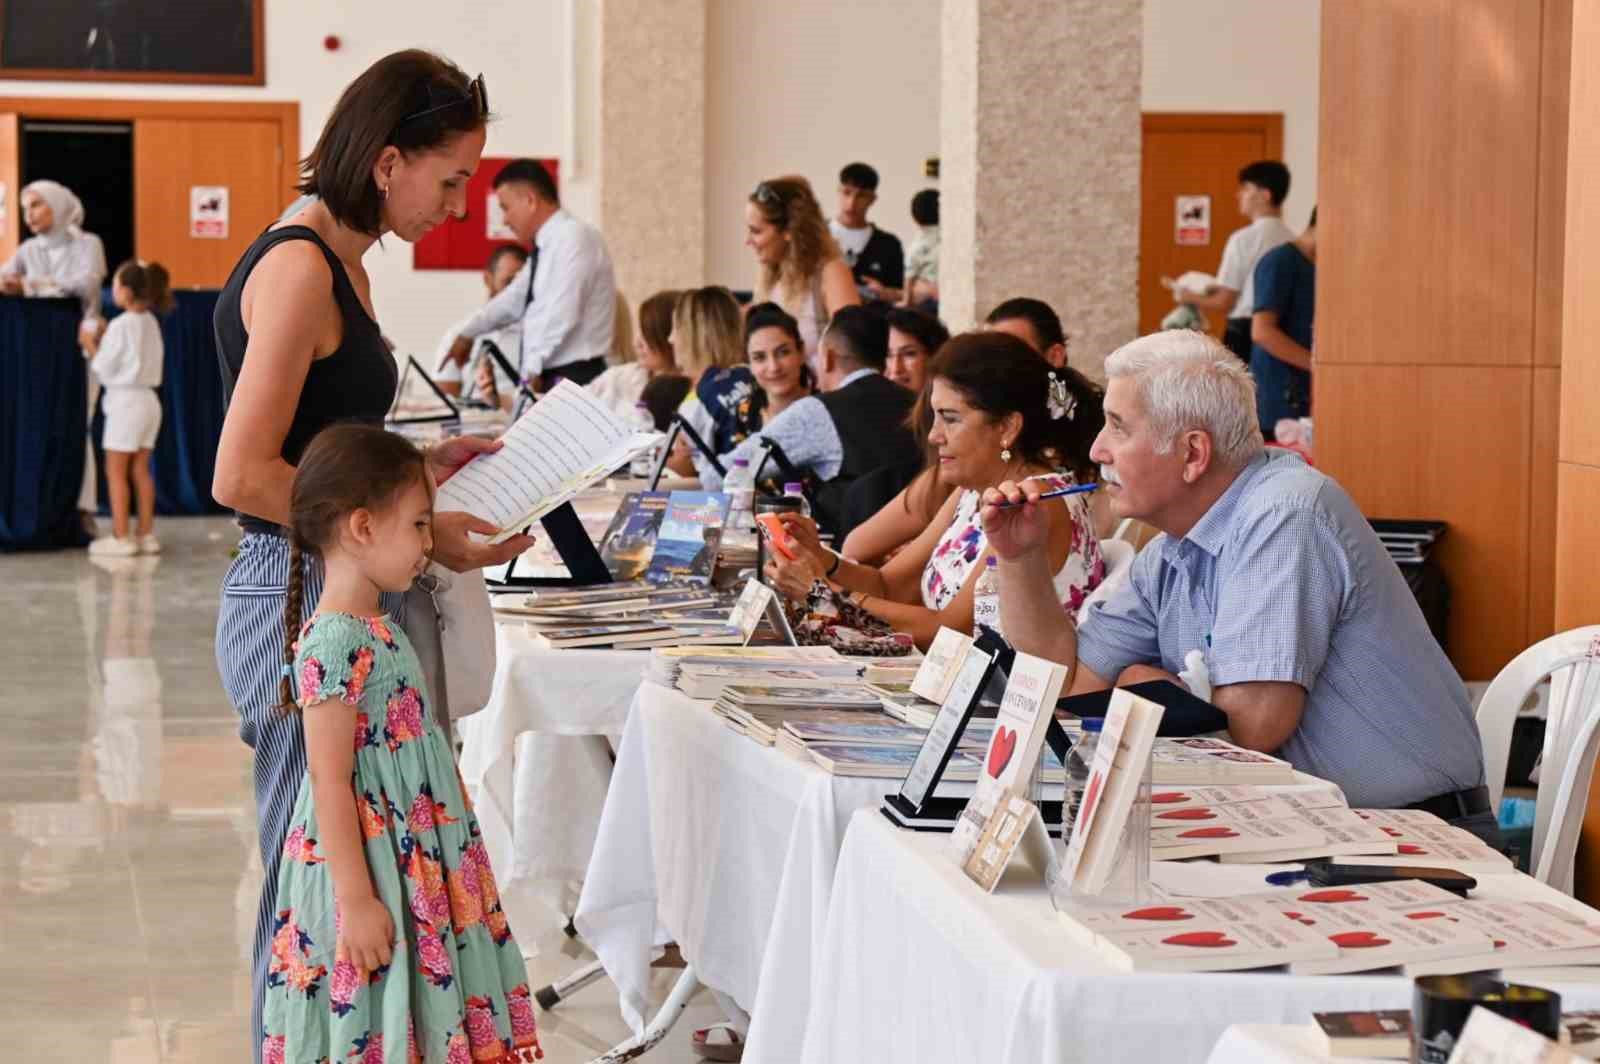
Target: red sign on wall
(466,243)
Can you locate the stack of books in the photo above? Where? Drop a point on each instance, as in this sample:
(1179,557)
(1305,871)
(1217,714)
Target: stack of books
(760,712)
(666,661)
(1423,839)
(1386,1034)
(1315,931)
(902,703)
(629,615)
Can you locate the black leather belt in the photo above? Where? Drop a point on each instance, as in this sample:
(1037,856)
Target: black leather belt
(1456,804)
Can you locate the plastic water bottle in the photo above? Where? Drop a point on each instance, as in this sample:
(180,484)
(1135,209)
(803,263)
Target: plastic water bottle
(740,487)
(1080,759)
(794,490)
(986,599)
(644,464)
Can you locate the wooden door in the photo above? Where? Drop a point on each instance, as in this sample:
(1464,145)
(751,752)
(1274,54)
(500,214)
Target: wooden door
(10,185)
(172,157)
(1193,155)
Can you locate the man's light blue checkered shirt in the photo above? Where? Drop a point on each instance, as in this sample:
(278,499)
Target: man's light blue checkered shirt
(1283,579)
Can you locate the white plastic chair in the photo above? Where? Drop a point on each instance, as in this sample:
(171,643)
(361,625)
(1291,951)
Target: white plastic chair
(1119,555)
(1571,739)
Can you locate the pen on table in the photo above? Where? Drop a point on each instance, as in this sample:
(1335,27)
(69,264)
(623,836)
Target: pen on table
(1076,489)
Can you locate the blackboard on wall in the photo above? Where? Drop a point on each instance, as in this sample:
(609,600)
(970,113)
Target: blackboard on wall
(133,40)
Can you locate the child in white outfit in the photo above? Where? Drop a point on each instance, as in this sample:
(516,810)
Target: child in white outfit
(127,358)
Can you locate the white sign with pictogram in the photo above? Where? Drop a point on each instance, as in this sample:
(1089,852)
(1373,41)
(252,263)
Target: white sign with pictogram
(1194,221)
(208,212)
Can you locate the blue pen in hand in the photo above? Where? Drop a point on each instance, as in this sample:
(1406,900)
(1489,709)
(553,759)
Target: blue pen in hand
(1076,489)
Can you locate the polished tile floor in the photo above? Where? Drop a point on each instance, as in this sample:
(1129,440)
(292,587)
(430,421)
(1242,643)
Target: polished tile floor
(128,871)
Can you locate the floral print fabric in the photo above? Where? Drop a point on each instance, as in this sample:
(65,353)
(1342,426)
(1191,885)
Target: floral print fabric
(964,543)
(455,991)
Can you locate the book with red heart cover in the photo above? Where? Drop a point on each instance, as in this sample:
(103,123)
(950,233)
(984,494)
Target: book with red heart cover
(1423,839)
(1343,834)
(1118,770)
(1203,759)
(1232,836)
(1009,761)
(1193,935)
(1523,934)
(1371,936)
(1164,796)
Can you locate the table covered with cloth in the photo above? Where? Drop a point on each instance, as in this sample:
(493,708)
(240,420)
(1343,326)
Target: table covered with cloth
(43,406)
(918,964)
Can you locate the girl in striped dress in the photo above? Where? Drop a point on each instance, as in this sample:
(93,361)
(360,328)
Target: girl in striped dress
(389,943)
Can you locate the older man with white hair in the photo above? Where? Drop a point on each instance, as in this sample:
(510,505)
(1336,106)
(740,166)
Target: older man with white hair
(1315,647)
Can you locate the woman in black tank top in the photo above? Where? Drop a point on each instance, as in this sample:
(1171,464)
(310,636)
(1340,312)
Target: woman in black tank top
(299,351)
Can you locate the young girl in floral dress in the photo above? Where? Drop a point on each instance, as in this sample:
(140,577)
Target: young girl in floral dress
(390,942)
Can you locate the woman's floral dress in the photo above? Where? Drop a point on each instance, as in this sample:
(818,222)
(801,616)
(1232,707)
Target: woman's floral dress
(455,991)
(963,543)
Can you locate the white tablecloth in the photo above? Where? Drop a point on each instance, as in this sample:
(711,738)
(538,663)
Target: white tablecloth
(1273,1044)
(917,964)
(536,762)
(733,845)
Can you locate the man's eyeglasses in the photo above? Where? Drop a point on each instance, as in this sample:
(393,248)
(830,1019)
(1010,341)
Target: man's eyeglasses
(477,95)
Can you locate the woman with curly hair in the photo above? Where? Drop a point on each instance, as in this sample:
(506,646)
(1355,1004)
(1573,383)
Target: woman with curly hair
(801,269)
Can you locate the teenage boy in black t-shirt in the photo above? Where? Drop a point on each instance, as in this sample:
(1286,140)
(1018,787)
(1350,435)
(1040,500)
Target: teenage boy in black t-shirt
(873,255)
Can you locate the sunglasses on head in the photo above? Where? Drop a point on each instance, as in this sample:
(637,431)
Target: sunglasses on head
(768,196)
(477,95)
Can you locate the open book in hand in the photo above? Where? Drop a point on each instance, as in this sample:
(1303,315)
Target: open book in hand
(566,442)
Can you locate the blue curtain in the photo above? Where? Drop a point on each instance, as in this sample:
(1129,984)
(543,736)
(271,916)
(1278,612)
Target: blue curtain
(43,400)
(191,408)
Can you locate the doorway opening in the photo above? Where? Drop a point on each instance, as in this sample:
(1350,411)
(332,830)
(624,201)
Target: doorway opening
(94,160)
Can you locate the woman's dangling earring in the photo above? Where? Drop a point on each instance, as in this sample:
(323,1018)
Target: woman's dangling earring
(1005,453)
(383,193)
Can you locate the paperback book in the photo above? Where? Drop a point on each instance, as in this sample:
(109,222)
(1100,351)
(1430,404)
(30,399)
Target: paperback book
(1206,760)
(689,538)
(1195,935)
(1012,756)
(1522,934)
(630,541)
(564,443)
(1115,776)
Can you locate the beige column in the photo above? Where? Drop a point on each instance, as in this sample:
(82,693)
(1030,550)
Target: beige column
(1039,148)
(651,164)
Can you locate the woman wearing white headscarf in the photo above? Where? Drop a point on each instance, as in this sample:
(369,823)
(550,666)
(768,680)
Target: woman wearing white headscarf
(60,259)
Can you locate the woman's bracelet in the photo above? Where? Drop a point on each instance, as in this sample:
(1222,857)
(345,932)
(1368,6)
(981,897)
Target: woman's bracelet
(838,559)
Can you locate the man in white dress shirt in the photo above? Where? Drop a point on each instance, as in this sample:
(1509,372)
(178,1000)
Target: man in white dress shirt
(505,262)
(1263,186)
(565,296)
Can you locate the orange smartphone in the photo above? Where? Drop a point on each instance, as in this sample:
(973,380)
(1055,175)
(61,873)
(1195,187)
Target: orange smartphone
(778,536)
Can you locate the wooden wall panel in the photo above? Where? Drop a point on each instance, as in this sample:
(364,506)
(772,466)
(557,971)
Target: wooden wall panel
(172,154)
(11,178)
(1441,253)
(1555,92)
(1578,537)
(1546,429)
(1580,383)
(1454,445)
(1428,180)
